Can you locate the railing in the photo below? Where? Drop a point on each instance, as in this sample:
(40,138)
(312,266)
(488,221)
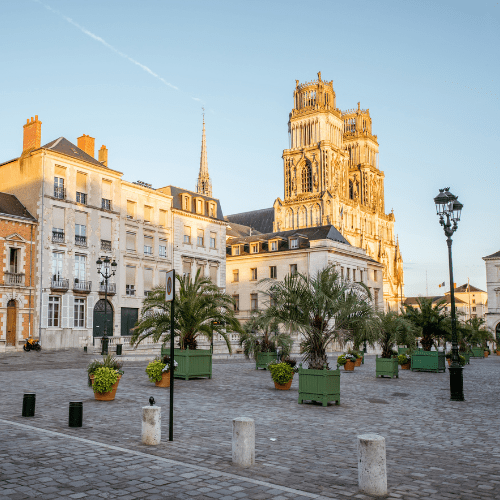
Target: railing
(81,198)
(57,236)
(59,284)
(82,286)
(14,279)
(59,192)
(111,288)
(81,241)
(106,245)
(105,204)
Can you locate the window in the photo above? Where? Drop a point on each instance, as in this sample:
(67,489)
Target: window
(354,275)
(361,276)
(59,188)
(294,243)
(212,209)
(213,237)
(200,238)
(106,195)
(106,204)
(236,250)
(253,273)
(148,213)
(254,301)
(375,296)
(80,235)
(236,299)
(348,273)
(81,188)
(236,275)
(53,311)
(57,265)
(213,274)
(274,246)
(254,248)
(199,206)
(131,209)
(81,198)
(186,269)
(473,309)
(14,260)
(130,280)
(293,269)
(148,280)
(273,273)
(473,301)
(186,203)
(163,218)
(79,313)
(148,245)
(130,242)
(163,278)
(58,224)
(162,248)
(375,275)
(342,272)
(306,179)
(80,268)
(187,235)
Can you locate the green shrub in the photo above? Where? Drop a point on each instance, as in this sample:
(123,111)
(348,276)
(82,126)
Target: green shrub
(344,358)
(281,373)
(104,378)
(108,361)
(155,370)
(356,354)
(404,359)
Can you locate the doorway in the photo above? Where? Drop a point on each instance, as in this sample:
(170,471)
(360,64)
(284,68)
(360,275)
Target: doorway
(11,322)
(103,318)
(129,319)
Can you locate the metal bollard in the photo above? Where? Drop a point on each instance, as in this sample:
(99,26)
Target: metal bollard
(119,349)
(75,414)
(84,348)
(29,405)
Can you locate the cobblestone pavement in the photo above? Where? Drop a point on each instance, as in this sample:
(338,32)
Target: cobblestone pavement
(436,449)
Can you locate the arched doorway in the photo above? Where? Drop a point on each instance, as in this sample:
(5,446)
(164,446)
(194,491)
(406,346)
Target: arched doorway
(11,322)
(498,333)
(100,317)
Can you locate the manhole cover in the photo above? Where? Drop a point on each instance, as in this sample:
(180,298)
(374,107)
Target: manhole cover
(401,394)
(381,401)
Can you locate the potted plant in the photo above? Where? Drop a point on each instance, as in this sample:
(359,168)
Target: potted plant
(159,371)
(201,310)
(282,374)
(461,359)
(348,361)
(404,360)
(108,361)
(358,357)
(105,383)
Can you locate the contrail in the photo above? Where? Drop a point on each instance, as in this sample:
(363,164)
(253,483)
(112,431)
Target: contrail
(106,44)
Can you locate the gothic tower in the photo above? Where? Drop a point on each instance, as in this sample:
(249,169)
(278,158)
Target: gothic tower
(331,176)
(204,185)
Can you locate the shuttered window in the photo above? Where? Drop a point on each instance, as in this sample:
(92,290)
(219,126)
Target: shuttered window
(148,213)
(213,274)
(148,280)
(59,172)
(81,182)
(131,242)
(105,229)
(163,218)
(81,218)
(130,209)
(58,218)
(106,190)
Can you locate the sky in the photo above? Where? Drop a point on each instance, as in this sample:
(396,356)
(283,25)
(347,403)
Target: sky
(136,74)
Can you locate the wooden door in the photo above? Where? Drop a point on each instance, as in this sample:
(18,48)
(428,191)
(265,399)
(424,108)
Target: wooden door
(102,318)
(11,322)
(129,319)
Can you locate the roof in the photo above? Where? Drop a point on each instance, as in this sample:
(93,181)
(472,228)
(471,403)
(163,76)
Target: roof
(412,301)
(239,230)
(11,206)
(176,192)
(465,289)
(62,145)
(260,220)
(495,255)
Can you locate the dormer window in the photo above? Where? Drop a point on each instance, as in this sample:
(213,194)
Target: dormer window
(294,243)
(254,248)
(186,202)
(236,249)
(273,246)
(211,210)
(199,206)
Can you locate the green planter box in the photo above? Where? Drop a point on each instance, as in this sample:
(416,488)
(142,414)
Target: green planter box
(428,361)
(403,350)
(387,367)
(319,385)
(192,364)
(264,358)
(477,352)
(467,356)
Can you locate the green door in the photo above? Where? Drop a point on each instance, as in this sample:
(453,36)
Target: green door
(100,316)
(129,319)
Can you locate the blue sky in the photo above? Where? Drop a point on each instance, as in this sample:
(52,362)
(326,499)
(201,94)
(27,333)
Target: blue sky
(134,75)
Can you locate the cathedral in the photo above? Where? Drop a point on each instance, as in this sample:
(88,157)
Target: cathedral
(332,176)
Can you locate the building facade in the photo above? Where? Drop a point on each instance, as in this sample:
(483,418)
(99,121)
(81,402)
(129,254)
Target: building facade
(492,263)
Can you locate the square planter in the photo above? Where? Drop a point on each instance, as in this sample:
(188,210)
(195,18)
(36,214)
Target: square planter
(428,361)
(264,358)
(387,367)
(192,364)
(467,356)
(403,350)
(477,352)
(319,385)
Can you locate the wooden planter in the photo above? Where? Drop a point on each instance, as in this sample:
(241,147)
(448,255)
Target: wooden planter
(428,361)
(477,352)
(192,363)
(284,387)
(349,366)
(386,367)
(319,385)
(165,380)
(406,366)
(264,358)
(106,396)
(358,362)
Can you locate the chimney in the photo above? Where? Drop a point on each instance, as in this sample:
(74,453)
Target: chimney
(32,134)
(103,155)
(87,144)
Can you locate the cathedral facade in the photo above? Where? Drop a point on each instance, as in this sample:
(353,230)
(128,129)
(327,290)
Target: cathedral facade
(332,176)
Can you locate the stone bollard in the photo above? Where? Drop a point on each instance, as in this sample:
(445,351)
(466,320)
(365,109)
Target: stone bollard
(243,441)
(372,472)
(151,425)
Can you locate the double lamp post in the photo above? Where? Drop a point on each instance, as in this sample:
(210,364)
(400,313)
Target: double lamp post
(106,269)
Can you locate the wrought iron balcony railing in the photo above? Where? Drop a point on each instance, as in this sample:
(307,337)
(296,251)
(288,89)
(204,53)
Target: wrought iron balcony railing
(82,286)
(59,284)
(106,245)
(59,192)
(57,236)
(81,241)
(15,279)
(111,288)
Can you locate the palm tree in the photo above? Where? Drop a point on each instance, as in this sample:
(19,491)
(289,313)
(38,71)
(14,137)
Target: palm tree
(392,330)
(322,308)
(200,309)
(474,333)
(431,319)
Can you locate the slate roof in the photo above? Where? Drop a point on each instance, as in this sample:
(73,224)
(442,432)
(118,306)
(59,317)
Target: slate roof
(176,192)
(260,220)
(11,206)
(495,255)
(464,288)
(237,230)
(62,145)
(412,301)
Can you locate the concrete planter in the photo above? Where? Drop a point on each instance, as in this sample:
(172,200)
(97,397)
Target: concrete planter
(386,367)
(192,363)
(428,361)
(319,385)
(477,352)
(264,358)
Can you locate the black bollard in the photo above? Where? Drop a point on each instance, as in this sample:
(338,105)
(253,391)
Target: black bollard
(29,405)
(119,349)
(75,414)
(84,348)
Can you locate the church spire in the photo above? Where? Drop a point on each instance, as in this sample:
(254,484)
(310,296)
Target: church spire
(204,183)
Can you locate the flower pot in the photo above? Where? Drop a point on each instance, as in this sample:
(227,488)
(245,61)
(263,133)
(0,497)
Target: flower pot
(406,366)
(285,387)
(165,380)
(106,396)
(358,362)
(486,354)
(498,352)
(349,366)
(449,361)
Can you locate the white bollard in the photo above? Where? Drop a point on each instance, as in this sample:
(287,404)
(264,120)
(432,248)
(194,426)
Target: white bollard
(243,441)
(372,471)
(151,425)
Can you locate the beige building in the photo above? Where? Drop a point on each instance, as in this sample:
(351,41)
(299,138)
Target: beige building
(474,299)
(492,263)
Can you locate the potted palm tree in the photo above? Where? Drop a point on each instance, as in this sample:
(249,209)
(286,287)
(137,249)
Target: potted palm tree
(201,309)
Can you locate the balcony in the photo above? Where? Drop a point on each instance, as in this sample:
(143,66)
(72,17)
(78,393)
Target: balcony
(59,193)
(106,245)
(81,198)
(82,286)
(59,284)
(57,236)
(80,241)
(14,279)
(111,288)
(105,204)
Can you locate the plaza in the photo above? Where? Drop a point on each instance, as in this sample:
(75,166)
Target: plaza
(436,448)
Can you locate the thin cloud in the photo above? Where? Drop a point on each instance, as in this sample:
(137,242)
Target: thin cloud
(106,44)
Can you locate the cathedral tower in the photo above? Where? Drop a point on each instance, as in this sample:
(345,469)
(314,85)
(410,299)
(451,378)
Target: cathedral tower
(204,185)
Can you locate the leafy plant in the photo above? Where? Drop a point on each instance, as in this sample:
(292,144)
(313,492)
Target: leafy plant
(104,378)
(281,373)
(393,329)
(355,353)
(108,361)
(344,358)
(461,359)
(155,370)
(404,359)
(166,361)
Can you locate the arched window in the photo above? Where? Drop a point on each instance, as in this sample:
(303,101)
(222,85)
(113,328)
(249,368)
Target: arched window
(306,178)
(302,217)
(351,190)
(316,215)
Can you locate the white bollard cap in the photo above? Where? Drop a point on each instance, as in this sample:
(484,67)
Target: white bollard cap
(371,437)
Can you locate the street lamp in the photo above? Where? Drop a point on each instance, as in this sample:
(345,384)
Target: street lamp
(106,269)
(449,209)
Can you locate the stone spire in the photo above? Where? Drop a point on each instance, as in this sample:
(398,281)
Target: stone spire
(204,183)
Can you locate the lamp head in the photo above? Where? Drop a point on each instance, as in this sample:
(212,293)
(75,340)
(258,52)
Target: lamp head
(114,265)
(99,264)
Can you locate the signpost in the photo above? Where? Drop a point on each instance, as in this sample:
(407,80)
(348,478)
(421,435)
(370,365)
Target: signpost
(170,297)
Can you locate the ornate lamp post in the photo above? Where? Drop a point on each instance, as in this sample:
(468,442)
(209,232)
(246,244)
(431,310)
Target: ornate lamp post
(449,209)
(106,269)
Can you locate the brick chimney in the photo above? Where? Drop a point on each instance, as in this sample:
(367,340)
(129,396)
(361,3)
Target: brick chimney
(87,144)
(32,134)
(103,155)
